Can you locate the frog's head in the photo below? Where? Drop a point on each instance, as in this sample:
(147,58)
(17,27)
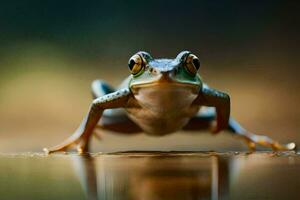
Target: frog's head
(181,72)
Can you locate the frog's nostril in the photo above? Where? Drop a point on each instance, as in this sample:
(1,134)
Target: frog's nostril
(167,76)
(153,71)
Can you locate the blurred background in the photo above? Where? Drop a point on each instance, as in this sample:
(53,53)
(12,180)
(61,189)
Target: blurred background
(50,51)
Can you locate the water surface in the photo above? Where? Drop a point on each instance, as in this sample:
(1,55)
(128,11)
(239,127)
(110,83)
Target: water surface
(150,175)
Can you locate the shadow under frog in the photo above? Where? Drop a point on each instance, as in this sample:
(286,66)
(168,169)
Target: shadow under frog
(153,177)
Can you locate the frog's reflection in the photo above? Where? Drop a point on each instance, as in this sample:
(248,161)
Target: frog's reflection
(153,177)
(85,169)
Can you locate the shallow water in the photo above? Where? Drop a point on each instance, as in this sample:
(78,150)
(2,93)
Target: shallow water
(150,175)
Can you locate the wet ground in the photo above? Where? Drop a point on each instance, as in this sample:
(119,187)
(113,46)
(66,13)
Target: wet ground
(151,175)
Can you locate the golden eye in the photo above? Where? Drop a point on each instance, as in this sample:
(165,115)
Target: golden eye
(192,64)
(136,64)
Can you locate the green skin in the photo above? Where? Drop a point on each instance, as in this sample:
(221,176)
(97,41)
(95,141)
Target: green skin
(159,99)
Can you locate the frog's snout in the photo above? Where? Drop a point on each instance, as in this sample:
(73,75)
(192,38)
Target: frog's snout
(167,76)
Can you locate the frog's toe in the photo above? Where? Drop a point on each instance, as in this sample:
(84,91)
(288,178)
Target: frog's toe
(46,150)
(251,145)
(49,150)
(276,146)
(61,147)
(252,140)
(284,147)
(291,146)
(54,149)
(81,144)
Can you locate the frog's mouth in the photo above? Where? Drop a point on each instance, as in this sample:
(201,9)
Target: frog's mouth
(164,82)
(161,86)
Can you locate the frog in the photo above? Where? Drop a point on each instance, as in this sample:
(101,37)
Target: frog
(159,97)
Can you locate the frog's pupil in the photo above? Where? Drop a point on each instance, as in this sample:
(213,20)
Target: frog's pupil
(131,64)
(196,63)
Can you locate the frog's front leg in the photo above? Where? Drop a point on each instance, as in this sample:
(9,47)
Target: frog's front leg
(221,101)
(82,135)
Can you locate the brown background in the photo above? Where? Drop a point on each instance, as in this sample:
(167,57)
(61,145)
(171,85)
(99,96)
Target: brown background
(51,51)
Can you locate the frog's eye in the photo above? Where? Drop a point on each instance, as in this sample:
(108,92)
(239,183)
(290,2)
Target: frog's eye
(136,64)
(192,64)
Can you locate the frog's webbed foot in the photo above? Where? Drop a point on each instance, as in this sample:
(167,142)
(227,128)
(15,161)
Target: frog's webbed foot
(252,140)
(80,141)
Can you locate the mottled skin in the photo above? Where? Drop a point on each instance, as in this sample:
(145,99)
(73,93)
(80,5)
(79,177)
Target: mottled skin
(161,96)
